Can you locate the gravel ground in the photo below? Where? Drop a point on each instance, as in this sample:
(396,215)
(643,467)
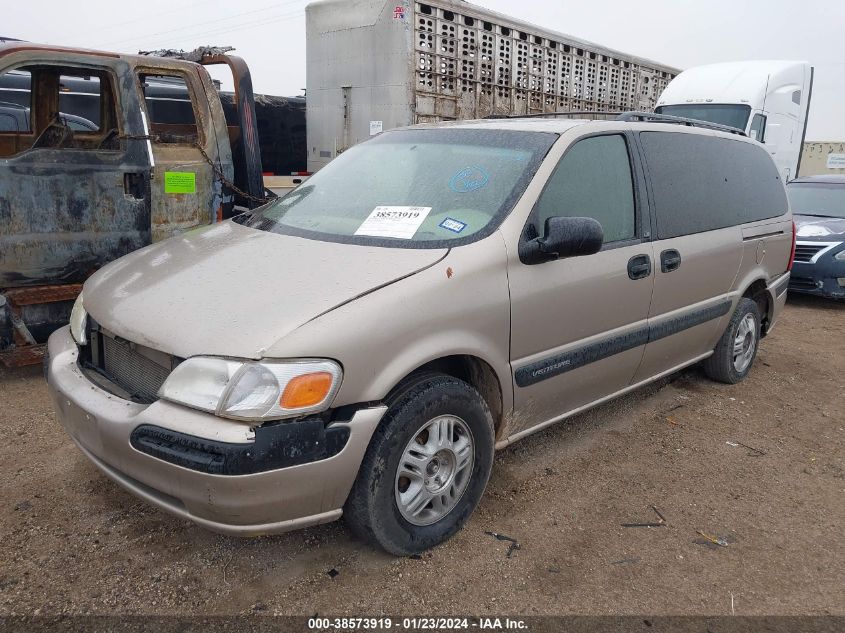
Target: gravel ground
(73,542)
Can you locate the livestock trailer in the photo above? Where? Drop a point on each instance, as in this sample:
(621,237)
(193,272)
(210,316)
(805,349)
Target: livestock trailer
(373,65)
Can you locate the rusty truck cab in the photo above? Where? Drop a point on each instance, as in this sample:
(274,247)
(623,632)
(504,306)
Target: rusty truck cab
(72,200)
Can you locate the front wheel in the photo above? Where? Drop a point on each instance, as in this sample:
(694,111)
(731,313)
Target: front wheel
(734,354)
(426,467)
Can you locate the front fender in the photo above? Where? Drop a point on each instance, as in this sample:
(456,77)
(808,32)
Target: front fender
(459,306)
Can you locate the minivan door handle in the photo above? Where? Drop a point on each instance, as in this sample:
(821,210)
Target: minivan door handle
(670,260)
(639,267)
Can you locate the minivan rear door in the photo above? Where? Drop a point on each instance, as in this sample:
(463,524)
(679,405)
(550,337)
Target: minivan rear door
(699,190)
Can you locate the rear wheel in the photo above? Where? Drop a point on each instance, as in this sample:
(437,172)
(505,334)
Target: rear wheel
(426,467)
(734,354)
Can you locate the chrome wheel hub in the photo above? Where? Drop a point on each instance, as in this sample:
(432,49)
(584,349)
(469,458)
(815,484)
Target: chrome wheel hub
(440,471)
(434,470)
(745,342)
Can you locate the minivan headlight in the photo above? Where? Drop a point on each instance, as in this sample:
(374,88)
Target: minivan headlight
(78,319)
(250,390)
(840,256)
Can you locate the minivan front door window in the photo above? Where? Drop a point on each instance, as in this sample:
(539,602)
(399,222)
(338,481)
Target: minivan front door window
(592,180)
(733,115)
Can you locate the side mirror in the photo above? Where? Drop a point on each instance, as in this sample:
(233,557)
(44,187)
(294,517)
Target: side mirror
(565,237)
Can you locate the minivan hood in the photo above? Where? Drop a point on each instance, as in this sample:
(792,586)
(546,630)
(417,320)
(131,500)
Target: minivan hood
(229,290)
(822,229)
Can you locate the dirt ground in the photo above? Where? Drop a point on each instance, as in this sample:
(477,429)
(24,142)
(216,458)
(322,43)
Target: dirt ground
(73,542)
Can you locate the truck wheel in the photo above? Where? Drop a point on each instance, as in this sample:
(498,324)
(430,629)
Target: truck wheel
(426,467)
(732,359)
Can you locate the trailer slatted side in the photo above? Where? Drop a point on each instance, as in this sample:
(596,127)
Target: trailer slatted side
(471,64)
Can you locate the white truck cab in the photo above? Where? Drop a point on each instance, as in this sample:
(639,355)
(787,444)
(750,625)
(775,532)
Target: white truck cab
(768,100)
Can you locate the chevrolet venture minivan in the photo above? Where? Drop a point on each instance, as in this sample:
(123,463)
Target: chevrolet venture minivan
(361,346)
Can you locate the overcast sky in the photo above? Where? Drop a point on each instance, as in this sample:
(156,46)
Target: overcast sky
(271,35)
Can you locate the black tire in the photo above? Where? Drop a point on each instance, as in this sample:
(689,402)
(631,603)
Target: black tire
(720,366)
(371,510)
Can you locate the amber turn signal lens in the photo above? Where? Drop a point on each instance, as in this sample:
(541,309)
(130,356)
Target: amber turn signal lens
(306,391)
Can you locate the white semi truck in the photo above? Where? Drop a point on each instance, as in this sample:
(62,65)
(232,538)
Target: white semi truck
(373,65)
(768,100)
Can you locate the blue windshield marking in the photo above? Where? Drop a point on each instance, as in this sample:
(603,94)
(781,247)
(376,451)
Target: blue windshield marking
(469,179)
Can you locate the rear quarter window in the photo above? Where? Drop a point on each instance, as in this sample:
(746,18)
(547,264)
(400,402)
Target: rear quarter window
(702,183)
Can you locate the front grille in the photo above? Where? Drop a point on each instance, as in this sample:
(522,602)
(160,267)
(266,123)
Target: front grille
(121,362)
(805,252)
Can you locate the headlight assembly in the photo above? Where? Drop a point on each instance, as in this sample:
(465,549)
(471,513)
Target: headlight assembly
(78,320)
(250,390)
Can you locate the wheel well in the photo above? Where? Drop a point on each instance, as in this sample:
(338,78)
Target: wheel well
(757,292)
(472,370)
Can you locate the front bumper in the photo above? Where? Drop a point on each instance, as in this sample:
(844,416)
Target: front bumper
(820,278)
(270,502)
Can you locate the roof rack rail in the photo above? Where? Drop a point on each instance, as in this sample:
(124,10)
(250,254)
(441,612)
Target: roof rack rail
(645,117)
(651,117)
(564,113)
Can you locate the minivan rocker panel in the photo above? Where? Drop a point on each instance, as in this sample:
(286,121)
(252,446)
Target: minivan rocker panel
(247,303)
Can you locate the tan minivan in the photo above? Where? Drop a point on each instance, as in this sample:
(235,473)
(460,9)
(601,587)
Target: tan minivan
(362,345)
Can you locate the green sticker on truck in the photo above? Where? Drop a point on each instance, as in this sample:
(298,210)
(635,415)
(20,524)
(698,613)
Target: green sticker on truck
(180,182)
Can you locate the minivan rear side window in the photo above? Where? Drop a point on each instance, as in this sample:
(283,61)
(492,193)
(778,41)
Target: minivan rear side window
(702,183)
(592,180)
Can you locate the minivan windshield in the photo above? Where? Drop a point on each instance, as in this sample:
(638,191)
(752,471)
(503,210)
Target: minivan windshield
(822,199)
(733,115)
(413,188)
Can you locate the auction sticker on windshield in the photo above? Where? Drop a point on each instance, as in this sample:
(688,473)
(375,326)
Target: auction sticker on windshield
(398,222)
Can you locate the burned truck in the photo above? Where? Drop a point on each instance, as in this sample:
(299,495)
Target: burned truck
(72,200)
(280,120)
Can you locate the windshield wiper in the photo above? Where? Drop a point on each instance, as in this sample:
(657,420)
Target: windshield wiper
(818,215)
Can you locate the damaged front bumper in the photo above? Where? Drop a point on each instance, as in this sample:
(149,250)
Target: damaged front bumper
(825,278)
(207,469)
